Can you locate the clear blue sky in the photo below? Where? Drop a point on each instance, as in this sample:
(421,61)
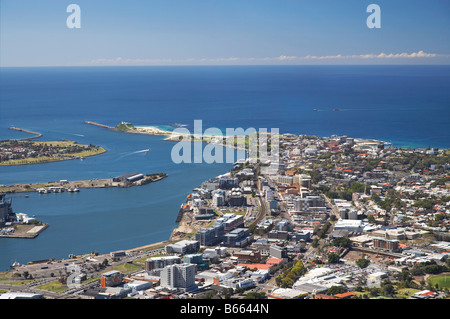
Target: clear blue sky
(158,32)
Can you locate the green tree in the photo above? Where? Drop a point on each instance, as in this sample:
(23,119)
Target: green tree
(287,282)
(208,295)
(362,263)
(387,289)
(342,242)
(333,258)
(256,295)
(336,290)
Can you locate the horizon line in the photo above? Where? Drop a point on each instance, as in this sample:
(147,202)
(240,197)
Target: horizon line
(224,65)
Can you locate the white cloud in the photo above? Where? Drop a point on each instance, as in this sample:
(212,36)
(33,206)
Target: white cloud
(419,54)
(252,60)
(284,58)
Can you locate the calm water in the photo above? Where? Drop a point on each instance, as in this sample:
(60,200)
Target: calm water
(407,106)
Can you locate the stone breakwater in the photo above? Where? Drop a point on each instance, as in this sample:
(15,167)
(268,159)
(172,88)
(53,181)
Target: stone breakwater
(36,135)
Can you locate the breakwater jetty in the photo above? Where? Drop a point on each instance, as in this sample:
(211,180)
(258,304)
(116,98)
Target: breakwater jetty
(98,124)
(36,135)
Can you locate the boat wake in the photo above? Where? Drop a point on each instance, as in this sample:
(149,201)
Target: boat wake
(141,151)
(131,153)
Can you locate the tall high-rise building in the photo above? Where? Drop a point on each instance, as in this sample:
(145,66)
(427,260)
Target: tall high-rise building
(5,210)
(179,276)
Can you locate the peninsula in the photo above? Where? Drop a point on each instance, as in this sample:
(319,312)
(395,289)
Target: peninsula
(130,128)
(22,152)
(233,141)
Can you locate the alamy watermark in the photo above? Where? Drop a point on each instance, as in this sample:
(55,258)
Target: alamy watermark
(373,20)
(74,280)
(255,145)
(74,19)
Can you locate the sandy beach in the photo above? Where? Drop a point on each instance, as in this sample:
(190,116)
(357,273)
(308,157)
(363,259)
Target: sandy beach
(152,130)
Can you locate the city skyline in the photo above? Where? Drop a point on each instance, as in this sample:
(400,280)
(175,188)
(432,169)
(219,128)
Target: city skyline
(201,32)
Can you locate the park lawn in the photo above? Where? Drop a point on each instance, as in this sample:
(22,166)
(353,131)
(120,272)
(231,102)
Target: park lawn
(56,143)
(125,268)
(90,280)
(19,282)
(53,286)
(405,293)
(141,261)
(230,212)
(5,275)
(31,160)
(98,150)
(361,294)
(443,281)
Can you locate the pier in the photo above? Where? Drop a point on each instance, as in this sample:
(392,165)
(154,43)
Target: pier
(24,231)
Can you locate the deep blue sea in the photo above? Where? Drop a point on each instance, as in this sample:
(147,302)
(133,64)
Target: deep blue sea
(408,106)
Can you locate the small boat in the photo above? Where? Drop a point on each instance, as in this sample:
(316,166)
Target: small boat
(336,109)
(315,110)
(42,191)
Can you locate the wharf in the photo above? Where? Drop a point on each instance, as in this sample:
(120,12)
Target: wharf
(69,186)
(25,231)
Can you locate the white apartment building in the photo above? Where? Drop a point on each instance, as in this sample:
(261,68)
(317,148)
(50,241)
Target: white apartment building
(179,276)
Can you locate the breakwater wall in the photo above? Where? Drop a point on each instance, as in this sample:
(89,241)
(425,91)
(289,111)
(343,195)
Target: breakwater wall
(36,135)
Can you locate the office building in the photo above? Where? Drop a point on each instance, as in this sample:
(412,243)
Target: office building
(183,247)
(161,262)
(239,237)
(210,236)
(111,279)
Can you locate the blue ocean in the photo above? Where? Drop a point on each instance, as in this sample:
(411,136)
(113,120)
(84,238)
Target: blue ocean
(408,106)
